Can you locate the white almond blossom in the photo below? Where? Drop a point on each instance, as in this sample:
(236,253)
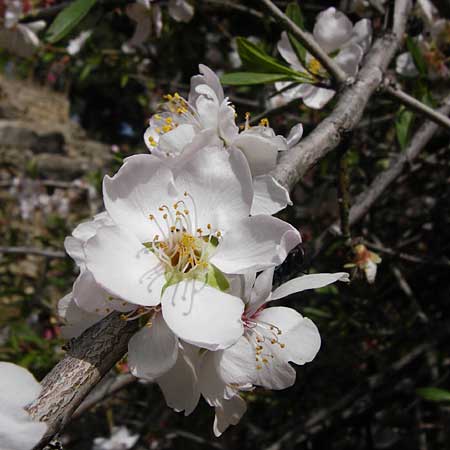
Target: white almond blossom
(344,42)
(178,231)
(18,388)
(207,117)
(77,43)
(19,38)
(121,439)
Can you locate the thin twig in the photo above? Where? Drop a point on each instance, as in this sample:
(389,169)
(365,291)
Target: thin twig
(309,43)
(417,106)
(32,251)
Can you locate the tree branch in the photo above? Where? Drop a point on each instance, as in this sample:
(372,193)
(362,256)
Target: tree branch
(33,251)
(309,43)
(417,106)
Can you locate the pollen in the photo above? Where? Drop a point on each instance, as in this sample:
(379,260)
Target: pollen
(264,122)
(314,66)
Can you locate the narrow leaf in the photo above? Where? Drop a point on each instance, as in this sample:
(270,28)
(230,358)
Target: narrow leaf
(68,19)
(434,394)
(250,78)
(417,56)
(294,13)
(403,122)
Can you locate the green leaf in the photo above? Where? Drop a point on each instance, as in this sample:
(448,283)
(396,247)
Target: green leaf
(403,122)
(249,78)
(294,13)
(216,279)
(257,60)
(68,19)
(434,394)
(417,56)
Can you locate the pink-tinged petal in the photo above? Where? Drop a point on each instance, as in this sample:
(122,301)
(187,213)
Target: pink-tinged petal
(17,385)
(153,350)
(180,385)
(220,184)
(288,53)
(299,336)
(228,413)
(124,267)
(202,315)
(317,98)
(332,29)
(348,59)
(91,297)
(313,281)
(137,190)
(269,196)
(17,430)
(255,243)
(76,320)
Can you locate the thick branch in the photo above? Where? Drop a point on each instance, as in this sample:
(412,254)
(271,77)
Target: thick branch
(90,357)
(309,43)
(417,106)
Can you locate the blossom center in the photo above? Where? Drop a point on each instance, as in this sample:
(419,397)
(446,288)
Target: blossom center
(182,247)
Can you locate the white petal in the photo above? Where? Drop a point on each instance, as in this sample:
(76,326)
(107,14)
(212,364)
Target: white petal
(202,315)
(255,243)
(221,186)
(17,430)
(76,320)
(138,189)
(228,130)
(370,270)
(153,350)
(317,98)
(261,291)
(269,196)
(180,10)
(209,78)
(176,140)
(17,385)
(260,152)
(180,384)
(362,34)
(124,267)
(348,59)
(404,65)
(299,334)
(229,413)
(294,136)
(74,248)
(212,386)
(236,364)
(288,53)
(332,29)
(91,297)
(313,281)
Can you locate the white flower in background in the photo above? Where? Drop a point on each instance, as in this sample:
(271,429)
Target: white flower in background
(19,38)
(342,40)
(121,439)
(207,117)
(76,44)
(180,10)
(404,65)
(177,232)
(18,388)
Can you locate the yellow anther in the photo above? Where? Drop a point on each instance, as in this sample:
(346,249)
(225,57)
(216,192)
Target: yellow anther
(168,120)
(173,228)
(314,66)
(158,130)
(247,115)
(199,231)
(264,122)
(185,194)
(282,345)
(265,361)
(164,216)
(218,234)
(156,237)
(167,128)
(208,226)
(258,367)
(186,211)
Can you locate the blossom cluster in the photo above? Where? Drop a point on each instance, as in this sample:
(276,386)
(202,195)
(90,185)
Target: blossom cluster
(188,245)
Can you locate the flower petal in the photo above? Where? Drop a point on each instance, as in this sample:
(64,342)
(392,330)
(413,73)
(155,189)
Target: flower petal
(202,315)
(362,34)
(313,281)
(220,184)
(288,53)
(153,350)
(299,334)
(180,10)
(208,77)
(294,136)
(228,413)
(332,29)
(317,98)
(17,385)
(17,430)
(138,189)
(349,58)
(180,385)
(255,243)
(261,291)
(124,267)
(269,196)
